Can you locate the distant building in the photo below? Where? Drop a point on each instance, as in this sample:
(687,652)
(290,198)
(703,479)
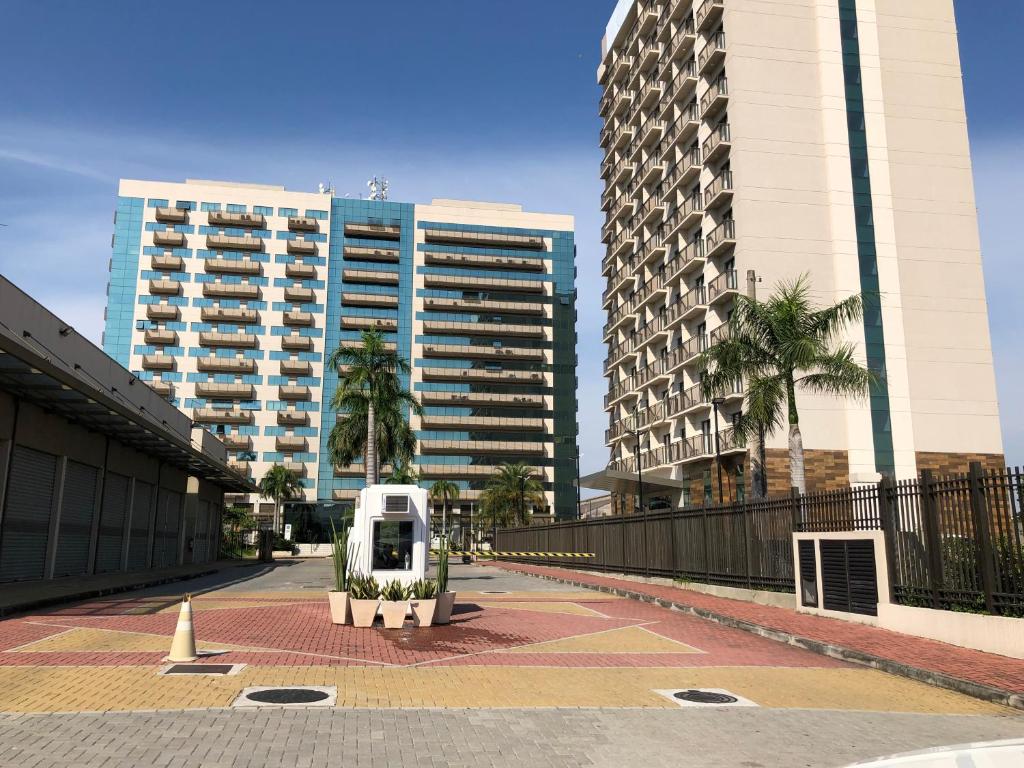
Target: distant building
(228,299)
(748,142)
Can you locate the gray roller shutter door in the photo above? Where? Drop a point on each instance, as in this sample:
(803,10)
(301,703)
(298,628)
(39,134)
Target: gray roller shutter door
(201,546)
(142,513)
(26,519)
(165,544)
(78,508)
(112,516)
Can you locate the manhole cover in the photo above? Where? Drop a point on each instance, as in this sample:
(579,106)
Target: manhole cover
(705,697)
(288,696)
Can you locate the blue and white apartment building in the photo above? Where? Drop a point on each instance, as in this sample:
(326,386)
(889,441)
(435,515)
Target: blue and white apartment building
(228,298)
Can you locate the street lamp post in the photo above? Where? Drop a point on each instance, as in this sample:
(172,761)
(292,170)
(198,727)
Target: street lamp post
(716,402)
(636,432)
(578,509)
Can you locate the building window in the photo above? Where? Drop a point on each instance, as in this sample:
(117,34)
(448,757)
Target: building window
(392,545)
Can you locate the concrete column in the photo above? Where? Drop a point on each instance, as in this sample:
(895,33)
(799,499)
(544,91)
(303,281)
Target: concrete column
(58,503)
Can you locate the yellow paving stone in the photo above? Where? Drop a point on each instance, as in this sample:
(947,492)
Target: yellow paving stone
(572,609)
(624,640)
(61,689)
(109,640)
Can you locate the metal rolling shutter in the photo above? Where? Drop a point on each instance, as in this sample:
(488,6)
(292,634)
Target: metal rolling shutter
(848,576)
(78,508)
(165,546)
(112,515)
(201,545)
(26,518)
(138,541)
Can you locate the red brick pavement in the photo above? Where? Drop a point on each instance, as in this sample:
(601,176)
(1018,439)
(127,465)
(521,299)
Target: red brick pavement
(987,669)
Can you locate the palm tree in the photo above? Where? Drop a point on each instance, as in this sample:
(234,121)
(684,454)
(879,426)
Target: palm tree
(508,492)
(403,474)
(779,346)
(279,484)
(373,402)
(447,491)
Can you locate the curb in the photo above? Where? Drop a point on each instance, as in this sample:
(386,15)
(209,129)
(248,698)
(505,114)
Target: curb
(930,677)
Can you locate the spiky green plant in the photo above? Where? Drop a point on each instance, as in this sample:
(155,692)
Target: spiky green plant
(340,557)
(394,592)
(363,587)
(424,589)
(442,566)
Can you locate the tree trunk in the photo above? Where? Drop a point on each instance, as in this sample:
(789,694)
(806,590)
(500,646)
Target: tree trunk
(757,469)
(796,459)
(371,445)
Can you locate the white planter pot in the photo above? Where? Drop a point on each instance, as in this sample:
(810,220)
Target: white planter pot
(363,612)
(393,612)
(423,612)
(339,607)
(443,610)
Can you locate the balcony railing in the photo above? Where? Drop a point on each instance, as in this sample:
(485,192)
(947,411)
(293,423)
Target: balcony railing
(233,266)
(169,238)
(224,391)
(719,190)
(723,286)
(303,247)
(226,364)
(713,53)
(233,243)
(231,290)
(717,143)
(228,219)
(302,224)
(299,271)
(714,97)
(171,215)
(707,13)
(720,238)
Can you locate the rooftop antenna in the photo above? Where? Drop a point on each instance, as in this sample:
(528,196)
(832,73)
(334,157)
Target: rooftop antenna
(378,188)
(326,189)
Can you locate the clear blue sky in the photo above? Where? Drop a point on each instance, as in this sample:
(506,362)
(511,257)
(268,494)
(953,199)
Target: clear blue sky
(488,99)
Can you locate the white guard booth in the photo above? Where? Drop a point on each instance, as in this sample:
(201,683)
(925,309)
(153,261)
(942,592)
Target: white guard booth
(390,532)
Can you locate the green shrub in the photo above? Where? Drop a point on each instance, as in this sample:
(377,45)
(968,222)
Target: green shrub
(424,589)
(394,592)
(363,587)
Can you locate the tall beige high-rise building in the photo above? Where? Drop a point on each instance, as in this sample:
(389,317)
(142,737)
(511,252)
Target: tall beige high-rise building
(752,141)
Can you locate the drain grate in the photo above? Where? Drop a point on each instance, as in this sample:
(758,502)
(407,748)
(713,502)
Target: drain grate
(705,697)
(291,696)
(202,669)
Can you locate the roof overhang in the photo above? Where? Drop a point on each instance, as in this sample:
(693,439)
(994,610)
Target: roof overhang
(614,481)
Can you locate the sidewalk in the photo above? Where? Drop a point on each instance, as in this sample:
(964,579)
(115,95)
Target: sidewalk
(983,675)
(18,597)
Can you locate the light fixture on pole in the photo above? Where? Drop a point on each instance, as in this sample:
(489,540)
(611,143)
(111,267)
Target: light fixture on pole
(633,427)
(716,403)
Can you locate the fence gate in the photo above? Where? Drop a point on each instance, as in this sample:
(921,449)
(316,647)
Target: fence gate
(848,579)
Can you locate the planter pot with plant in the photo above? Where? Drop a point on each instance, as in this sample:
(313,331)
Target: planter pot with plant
(445,599)
(394,604)
(338,597)
(364,599)
(423,603)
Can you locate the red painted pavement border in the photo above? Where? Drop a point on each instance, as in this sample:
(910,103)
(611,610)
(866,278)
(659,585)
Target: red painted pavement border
(983,675)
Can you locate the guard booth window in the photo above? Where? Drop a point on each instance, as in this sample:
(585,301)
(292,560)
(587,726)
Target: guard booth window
(392,545)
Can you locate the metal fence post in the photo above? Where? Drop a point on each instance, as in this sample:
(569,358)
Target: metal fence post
(622,526)
(745,511)
(672,532)
(707,545)
(930,525)
(888,502)
(982,534)
(794,496)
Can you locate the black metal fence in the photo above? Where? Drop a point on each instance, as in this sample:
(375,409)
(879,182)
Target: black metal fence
(954,543)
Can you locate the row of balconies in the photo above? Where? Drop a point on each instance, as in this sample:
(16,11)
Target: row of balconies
(485,262)
(483,282)
(386,324)
(368,300)
(692,399)
(473,447)
(374,231)
(484,239)
(371,253)
(483,375)
(516,424)
(695,448)
(685,354)
(482,329)
(482,398)
(485,305)
(481,352)
(469,472)
(167,287)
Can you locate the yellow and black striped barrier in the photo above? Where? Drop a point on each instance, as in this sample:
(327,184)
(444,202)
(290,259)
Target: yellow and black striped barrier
(491,553)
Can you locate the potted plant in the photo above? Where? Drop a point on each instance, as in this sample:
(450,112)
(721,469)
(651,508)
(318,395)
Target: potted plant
(424,602)
(363,593)
(394,603)
(445,599)
(338,596)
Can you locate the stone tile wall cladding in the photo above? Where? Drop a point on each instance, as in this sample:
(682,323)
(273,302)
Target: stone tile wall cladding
(958,463)
(824,470)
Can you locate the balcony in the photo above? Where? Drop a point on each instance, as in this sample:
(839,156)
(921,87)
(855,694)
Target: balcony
(484,239)
(236,442)
(693,303)
(293,392)
(165,287)
(226,364)
(723,287)
(242,467)
(620,69)
(230,315)
(482,283)
(297,468)
(296,368)
(231,290)
(688,168)
(475,447)
(496,423)
(484,375)
(302,224)
(169,238)
(486,305)
(292,418)
(167,263)
(388,324)
(682,42)
(684,128)
(228,219)
(370,253)
(233,243)
(300,271)
(691,350)
(467,471)
(161,337)
(481,398)
(651,172)
(301,247)
(708,13)
(691,212)
(681,87)
(215,339)
(485,353)
(225,391)
(171,215)
(687,259)
(291,444)
(304,343)
(298,318)
(719,191)
(158,362)
(650,52)
(717,145)
(651,211)
(368,300)
(512,263)
(221,416)
(622,138)
(162,312)
(299,295)
(369,276)
(713,54)
(720,239)
(482,329)
(373,231)
(715,98)
(623,102)
(234,266)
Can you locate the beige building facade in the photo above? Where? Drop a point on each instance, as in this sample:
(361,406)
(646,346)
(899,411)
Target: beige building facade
(752,141)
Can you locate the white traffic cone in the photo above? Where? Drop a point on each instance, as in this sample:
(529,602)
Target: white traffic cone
(183,646)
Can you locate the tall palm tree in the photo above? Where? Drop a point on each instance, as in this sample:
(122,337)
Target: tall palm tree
(281,485)
(778,347)
(508,493)
(369,391)
(447,491)
(403,474)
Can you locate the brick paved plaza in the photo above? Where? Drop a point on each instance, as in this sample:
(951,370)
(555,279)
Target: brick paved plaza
(79,684)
